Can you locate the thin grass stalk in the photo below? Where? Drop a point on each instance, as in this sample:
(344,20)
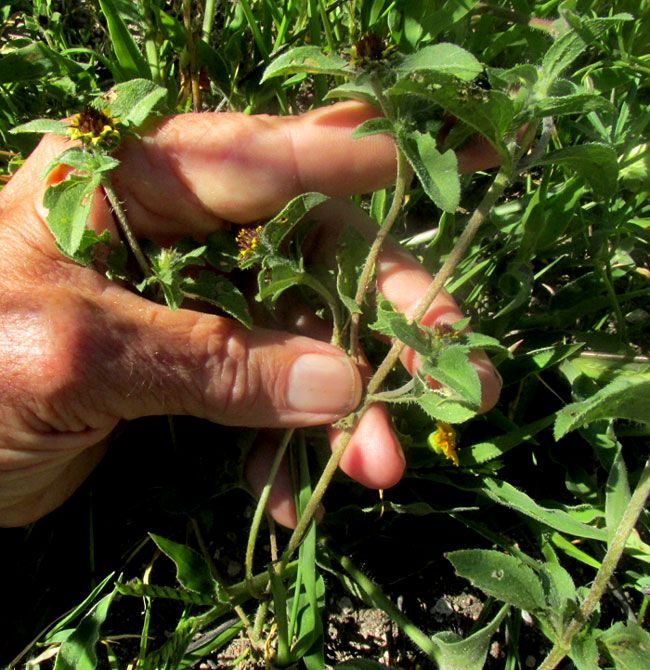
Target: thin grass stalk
(208,19)
(261,506)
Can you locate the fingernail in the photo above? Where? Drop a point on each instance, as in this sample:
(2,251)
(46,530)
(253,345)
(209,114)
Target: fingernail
(323,384)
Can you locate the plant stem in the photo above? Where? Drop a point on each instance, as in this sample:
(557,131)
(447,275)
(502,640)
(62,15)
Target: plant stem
(113,199)
(401,184)
(261,506)
(478,217)
(604,574)
(208,18)
(496,189)
(190,45)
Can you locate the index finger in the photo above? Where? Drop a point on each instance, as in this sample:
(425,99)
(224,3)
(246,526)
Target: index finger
(203,169)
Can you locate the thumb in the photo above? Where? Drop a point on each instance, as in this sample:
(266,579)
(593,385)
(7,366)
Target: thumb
(130,357)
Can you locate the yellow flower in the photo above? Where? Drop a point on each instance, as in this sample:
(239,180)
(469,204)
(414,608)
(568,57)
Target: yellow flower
(247,240)
(443,441)
(93,126)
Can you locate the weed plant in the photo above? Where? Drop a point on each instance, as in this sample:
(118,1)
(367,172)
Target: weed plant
(549,254)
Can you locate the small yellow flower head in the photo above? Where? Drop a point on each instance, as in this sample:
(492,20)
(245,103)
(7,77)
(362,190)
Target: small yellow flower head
(247,240)
(93,126)
(443,441)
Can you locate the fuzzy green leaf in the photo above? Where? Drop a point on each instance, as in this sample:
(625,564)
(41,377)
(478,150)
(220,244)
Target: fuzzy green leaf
(580,103)
(626,397)
(378,125)
(219,291)
(69,205)
(359,89)
(534,362)
(49,126)
(191,569)
(628,645)
(78,651)
(501,576)
(438,173)
(306,59)
(617,495)
(570,45)
(444,407)
(584,651)
(281,225)
(222,251)
(453,369)
(596,163)
(281,277)
(456,653)
(132,102)
(443,58)
(395,324)
(506,494)
(351,253)
(559,589)
(82,160)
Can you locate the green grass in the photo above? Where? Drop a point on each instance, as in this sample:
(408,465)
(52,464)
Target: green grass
(558,272)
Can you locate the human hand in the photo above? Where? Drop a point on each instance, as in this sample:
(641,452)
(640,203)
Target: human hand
(79,353)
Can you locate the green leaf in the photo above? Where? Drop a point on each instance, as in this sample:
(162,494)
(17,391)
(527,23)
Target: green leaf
(628,645)
(559,589)
(482,452)
(307,59)
(570,45)
(69,205)
(503,577)
(78,651)
(351,253)
(596,163)
(617,494)
(219,291)
(359,89)
(438,173)
(35,61)
(139,589)
(626,397)
(131,62)
(445,408)
(132,102)
(191,569)
(584,651)
(506,494)
(443,58)
(490,113)
(222,251)
(395,324)
(579,103)
(456,653)
(376,126)
(281,225)
(453,369)
(49,126)
(82,160)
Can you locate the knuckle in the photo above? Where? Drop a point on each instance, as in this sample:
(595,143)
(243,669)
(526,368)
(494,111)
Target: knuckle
(231,383)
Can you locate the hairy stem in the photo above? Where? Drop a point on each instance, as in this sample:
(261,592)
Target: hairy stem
(401,186)
(605,572)
(113,199)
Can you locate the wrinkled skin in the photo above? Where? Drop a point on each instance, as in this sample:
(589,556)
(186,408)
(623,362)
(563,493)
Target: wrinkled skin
(79,353)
